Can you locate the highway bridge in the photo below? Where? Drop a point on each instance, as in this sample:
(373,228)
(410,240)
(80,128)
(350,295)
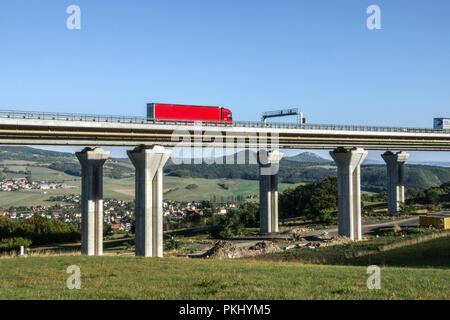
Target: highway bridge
(348,146)
(39,128)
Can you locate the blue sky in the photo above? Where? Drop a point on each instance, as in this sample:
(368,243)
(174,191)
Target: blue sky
(250,56)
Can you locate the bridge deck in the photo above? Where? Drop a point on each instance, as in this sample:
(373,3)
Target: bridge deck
(39,128)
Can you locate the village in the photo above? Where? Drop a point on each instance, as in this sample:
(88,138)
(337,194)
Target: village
(119,214)
(15,184)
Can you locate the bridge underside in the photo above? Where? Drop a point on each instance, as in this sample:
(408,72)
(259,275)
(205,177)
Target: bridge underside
(326,140)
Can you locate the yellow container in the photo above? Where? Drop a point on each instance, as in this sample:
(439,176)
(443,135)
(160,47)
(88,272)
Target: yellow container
(435,221)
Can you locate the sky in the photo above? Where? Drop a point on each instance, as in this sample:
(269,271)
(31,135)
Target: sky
(249,56)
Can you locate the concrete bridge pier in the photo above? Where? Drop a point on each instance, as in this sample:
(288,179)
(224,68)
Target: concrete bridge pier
(395,188)
(149,165)
(268,190)
(349,190)
(92,161)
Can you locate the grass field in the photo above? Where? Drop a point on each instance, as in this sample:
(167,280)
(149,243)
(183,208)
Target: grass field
(208,187)
(32,197)
(416,272)
(430,254)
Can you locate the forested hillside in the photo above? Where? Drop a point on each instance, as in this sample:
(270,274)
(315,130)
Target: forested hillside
(373,177)
(303,168)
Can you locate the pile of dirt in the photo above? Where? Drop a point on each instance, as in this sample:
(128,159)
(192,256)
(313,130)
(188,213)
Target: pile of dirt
(339,240)
(327,241)
(263,247)
(297,233)
(299,230)
(222,249)
(226,250)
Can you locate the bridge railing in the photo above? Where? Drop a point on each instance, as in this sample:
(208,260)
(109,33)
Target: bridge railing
(101,118)
(247,124)
(336,127)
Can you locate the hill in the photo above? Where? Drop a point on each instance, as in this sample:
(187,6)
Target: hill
(308,157)
(305,167)
(15,159)
(28,153)
(373,177)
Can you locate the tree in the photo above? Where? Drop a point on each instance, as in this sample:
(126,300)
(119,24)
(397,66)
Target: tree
(107,229)
(317,202)
(7,227)
(42,230)
(249,213)
(432,197)
(29,177)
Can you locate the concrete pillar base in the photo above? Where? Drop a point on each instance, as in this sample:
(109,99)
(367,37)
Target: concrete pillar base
(268,190)
(395,188)
(349,191)
(149,165)
(92,161)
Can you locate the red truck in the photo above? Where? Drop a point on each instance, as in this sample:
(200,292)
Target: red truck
(181,112)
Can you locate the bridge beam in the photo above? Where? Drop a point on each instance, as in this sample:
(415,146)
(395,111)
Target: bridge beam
(395,188)
(92,161)
(268,190)
(349,190)
(149,165)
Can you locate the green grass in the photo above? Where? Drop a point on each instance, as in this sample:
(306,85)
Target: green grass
(415,272)
(208,187)
(176,278)
(430,254)
(46,174)
(32,197)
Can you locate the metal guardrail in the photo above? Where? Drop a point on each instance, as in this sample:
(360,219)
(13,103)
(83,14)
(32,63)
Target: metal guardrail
(248,124)
(338,127)
(99,118)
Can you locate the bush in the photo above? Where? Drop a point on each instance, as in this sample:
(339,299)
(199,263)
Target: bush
(249,213)
(42,230)
(325,216)
(173,243)
(39,230)
(8,227)
(226,233)
(227,226)
(317,202)
(107,229)
(432,197)
(14,244)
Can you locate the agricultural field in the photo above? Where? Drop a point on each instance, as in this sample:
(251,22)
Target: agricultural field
(175,188)
(188,189)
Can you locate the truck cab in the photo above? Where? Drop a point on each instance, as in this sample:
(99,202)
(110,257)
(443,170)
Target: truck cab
(226,115)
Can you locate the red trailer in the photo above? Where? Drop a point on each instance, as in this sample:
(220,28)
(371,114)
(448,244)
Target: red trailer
(176,112)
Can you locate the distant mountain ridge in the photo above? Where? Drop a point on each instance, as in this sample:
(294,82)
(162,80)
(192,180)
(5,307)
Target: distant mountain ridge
(431,163)
(305,167)
(250,156)
(32,152)
(308,157)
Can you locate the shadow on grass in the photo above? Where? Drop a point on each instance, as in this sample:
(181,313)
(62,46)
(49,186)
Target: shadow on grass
(189,232)
(110,245)
(433,253)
